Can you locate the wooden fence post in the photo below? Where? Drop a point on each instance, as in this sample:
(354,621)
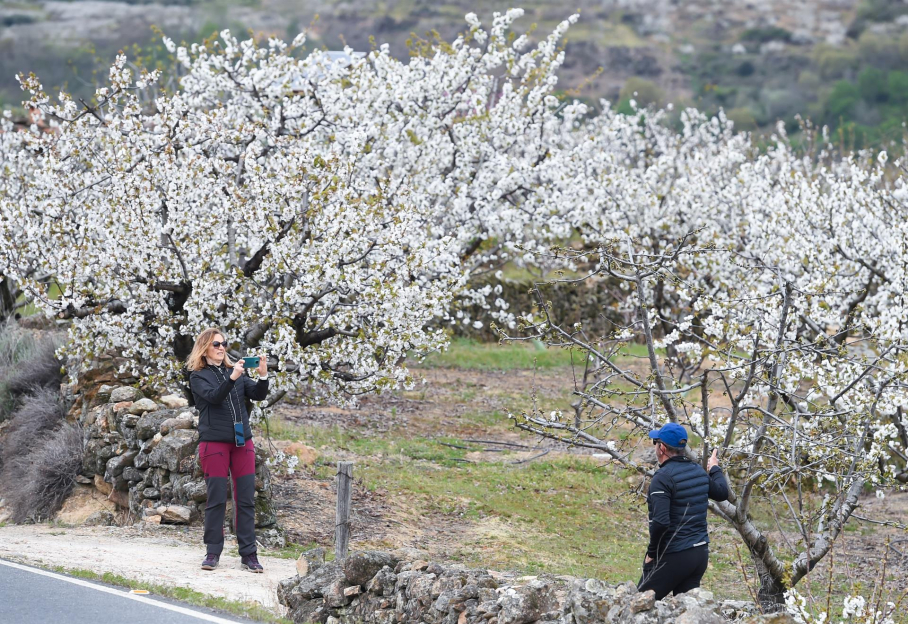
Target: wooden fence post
(342,519)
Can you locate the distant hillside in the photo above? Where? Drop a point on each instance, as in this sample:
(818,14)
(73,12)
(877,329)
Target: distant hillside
(840,62)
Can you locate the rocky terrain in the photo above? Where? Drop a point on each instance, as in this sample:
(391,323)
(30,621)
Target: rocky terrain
(383,588)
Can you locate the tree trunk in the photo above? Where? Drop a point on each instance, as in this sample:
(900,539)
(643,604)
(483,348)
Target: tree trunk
(7,298)
(182,347)
(771,594)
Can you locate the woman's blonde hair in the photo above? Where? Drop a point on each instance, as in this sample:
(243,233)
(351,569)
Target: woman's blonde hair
(196,360)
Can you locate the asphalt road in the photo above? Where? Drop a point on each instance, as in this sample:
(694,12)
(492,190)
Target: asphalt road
(32,596)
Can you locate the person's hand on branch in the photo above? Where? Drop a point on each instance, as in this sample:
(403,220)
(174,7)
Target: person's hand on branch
(713,460)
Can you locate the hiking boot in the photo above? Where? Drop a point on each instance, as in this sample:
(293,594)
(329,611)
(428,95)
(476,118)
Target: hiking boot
(211,561)
(251,563)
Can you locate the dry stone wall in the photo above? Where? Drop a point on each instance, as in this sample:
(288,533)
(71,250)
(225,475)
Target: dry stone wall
(143,455)
(376,587)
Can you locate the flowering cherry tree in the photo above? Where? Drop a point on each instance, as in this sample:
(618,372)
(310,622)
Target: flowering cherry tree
(153,231)
(325,212)
(16,165)
(768,292)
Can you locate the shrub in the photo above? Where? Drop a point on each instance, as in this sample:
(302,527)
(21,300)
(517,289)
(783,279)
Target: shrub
(834,62)
(878,50)
(15,346)
(881,10)
(39,414)
(27,363)
(809,80)
(40,457)
(36,485)
(768,33)
(41,369)
(644,91)
(898,86)
(743,118)
(780,103)
(841,102)
(745,69)
(40,454)
(873,84)
(16,19)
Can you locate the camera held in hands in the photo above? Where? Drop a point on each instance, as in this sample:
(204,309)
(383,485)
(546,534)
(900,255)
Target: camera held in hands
(251,362)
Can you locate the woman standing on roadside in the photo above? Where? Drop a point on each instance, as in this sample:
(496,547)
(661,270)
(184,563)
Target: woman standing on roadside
(225,442)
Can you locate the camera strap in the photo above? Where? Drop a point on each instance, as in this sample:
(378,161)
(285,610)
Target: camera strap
(220,375)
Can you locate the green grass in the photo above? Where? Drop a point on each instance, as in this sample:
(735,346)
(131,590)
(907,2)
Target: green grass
(30,309)
(566,516)
(290,551)
(493,420)
(250,610)
(464,353)
(468,354)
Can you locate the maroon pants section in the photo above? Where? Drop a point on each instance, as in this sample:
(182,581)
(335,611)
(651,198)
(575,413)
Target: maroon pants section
(219,458)
(220,461)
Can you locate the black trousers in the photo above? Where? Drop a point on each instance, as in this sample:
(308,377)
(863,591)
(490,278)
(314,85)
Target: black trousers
(675,573)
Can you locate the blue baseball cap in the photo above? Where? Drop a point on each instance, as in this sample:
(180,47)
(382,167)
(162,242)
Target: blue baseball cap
(672,434)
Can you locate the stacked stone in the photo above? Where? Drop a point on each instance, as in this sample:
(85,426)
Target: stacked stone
(376,587)
(143,455)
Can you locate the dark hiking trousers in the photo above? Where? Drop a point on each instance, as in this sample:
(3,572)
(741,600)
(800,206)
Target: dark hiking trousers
(218,459)
(676,572)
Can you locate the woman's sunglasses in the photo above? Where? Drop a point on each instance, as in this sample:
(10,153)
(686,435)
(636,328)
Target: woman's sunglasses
(217,344)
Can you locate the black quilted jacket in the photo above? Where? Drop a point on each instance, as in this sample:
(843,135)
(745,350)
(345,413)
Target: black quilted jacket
(220,401)
(677,501)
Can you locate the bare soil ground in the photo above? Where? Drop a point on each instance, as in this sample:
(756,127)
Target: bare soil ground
(451,404)
(438,407)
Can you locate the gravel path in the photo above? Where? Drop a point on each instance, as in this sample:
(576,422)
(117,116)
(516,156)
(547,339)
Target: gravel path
(153,556)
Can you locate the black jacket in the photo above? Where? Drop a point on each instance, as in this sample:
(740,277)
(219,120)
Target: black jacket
(677,504)
(220,401)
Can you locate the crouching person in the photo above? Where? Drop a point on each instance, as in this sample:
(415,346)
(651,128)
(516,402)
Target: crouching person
(225,442)
(678,550)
